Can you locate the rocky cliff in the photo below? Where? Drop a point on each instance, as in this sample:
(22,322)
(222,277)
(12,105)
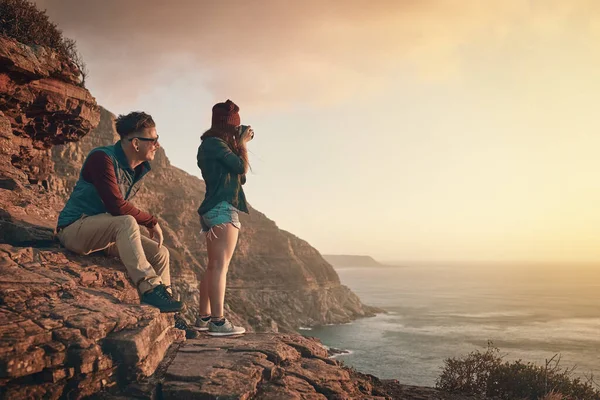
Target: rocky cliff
(276,280)
(268,367)
(41,105)
(72,327)
(69,325)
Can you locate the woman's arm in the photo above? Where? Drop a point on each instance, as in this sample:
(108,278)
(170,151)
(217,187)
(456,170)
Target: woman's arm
(221,151)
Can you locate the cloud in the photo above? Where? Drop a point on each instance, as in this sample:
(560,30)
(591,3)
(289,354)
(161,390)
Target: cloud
(285,52)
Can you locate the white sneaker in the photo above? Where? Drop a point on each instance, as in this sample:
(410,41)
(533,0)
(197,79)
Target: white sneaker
(201,325)
(227,329)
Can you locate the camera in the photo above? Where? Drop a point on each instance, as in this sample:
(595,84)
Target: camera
(245,130)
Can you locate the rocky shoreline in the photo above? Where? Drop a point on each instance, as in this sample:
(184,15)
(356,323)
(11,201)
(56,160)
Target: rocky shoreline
(263,366)
(72,327)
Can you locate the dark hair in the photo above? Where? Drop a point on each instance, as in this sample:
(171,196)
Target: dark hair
(230,136)
(133,122)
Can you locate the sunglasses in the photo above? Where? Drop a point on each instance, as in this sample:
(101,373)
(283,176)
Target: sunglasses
(144,139)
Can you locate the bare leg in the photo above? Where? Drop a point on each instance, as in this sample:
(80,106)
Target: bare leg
(220,251)
(204,299)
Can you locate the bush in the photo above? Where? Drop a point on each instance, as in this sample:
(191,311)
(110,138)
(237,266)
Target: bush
(22,21)
(485,374)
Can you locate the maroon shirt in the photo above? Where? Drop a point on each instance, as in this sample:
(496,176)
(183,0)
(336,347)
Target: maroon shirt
(100,172)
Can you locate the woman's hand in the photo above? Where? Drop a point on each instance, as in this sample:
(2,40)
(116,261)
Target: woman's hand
(246,133)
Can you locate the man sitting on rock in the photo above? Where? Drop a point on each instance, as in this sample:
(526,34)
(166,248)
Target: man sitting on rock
(99,215)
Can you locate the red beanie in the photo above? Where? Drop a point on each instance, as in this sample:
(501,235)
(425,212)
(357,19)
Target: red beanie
(225,115)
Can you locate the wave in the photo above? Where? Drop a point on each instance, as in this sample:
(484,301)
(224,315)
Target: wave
(343,353)
(304,328)
(335,352)
(491,314)
(345,323)
(583,330)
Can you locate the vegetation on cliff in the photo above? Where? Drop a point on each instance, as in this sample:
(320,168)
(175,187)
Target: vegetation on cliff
(22,21)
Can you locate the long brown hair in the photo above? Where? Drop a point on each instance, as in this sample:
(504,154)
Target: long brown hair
(230,136)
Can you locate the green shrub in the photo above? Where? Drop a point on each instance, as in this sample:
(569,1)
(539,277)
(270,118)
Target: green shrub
(22,21)
(485,374)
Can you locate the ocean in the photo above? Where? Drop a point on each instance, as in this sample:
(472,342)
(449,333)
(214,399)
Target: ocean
(530,312)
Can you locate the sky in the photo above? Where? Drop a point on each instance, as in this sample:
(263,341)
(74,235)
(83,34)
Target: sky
(442,131)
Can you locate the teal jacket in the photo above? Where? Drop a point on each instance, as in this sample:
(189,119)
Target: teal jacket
(223,173)
(85,199)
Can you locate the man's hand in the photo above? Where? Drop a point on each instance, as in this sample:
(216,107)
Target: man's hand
(156,231)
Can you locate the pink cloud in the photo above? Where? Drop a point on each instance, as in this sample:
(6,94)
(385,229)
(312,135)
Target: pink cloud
(281,52)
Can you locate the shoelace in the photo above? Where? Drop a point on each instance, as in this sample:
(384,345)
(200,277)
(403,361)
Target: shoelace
(165,295)
(181,324)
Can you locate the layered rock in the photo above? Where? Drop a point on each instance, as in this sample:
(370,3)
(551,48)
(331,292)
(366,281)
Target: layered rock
(41,100)
(266,366)
(41,104)
(69,325)
(276,281)
(73,324)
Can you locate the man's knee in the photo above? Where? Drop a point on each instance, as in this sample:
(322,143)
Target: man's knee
(163,253)
(160,258)
(127,222)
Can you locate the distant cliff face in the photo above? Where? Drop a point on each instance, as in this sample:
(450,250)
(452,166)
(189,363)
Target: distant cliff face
(276,280)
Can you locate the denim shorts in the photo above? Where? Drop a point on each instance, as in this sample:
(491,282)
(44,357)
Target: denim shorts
(222,213)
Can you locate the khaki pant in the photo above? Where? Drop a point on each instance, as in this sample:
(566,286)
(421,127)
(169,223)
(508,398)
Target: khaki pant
(147,265)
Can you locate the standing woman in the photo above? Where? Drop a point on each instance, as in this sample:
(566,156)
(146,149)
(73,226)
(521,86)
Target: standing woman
(223,160)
